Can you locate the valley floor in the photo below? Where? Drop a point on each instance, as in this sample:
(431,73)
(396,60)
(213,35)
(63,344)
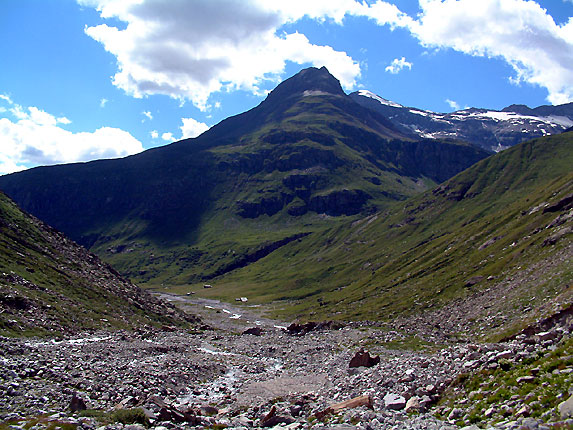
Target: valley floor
(220,377)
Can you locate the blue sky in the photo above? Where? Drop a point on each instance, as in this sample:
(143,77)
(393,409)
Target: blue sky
(87,79)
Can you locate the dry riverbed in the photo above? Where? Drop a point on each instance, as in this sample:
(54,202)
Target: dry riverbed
(220,377)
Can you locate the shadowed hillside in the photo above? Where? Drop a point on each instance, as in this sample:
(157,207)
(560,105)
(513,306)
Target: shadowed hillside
(50,285)
(302,160)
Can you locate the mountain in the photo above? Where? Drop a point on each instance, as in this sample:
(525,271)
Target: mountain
(484,253)
(303,160)
(492,130)
(50,285)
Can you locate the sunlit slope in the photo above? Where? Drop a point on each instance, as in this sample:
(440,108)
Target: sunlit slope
(507,217)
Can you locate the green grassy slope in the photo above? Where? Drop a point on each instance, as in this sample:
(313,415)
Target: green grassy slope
(50,285)
(475,233)
(300,162)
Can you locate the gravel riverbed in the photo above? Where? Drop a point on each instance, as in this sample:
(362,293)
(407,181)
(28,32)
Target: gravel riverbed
(220,377)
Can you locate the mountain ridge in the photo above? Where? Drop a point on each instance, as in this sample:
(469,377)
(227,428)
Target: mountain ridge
(295,159)
(490,129)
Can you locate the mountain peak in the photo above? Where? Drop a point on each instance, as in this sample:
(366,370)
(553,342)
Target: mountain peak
(310,81)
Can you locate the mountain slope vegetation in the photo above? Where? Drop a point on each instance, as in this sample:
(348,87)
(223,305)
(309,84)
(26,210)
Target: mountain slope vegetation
(304,159)
(50,285)
(487,248)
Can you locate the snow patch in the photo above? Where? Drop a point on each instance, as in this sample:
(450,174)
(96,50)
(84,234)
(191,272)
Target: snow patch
(366,93)
(521,119)
(419,112)
(561,120)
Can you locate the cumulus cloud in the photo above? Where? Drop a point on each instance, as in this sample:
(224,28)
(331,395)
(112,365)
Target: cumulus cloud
(147,114)
(397,65)
(192,128)
(34,137)
(154,134)
(519,32)
(189,50)
(168,137)
(453,104)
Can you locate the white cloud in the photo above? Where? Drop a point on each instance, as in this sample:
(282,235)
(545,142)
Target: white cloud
(103,102)
(35,137)
(168,137)
(454,105)
(192,128)
(189,50)
(154,134)
(519,32)
(147,114)
(397,65)
(192,49)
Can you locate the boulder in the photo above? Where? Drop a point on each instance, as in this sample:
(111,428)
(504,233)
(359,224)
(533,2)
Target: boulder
(273,419)
(394,401)
(413,404)
(363,359)
(566,408)
(455,414)
(546,335)
(77,404)
(255,331)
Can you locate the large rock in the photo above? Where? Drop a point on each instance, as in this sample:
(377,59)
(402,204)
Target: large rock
(77,404)
(363,359)
(566,408)
(255,331)
(394,401)
(413,404)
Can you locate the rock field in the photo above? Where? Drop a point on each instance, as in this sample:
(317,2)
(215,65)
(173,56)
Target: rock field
(219,377)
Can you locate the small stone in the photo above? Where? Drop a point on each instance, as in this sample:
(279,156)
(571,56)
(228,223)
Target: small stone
(523,411)
(413,404)
(455,414)
(489,412)
(505,355)
(430,389)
